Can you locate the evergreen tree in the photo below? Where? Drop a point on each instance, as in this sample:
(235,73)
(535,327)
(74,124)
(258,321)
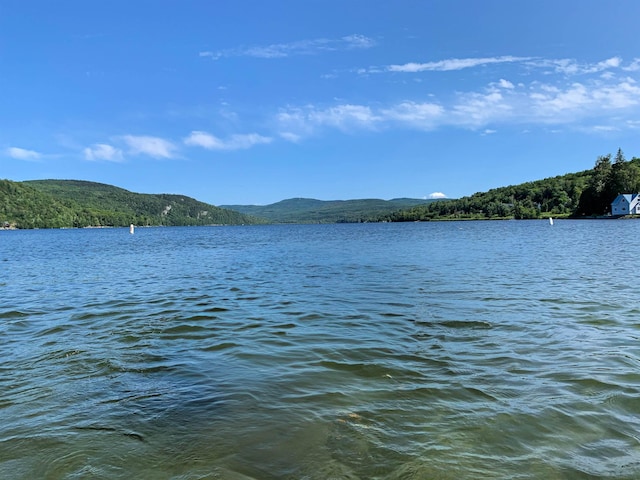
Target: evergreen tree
(595,199)
(625,177)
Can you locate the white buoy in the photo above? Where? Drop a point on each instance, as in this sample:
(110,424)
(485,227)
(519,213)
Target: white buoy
(131,229)
(550,221)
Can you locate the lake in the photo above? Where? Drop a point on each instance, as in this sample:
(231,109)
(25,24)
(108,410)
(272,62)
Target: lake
(449,350)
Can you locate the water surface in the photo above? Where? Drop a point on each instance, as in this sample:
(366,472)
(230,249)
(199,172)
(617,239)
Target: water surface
(377,351)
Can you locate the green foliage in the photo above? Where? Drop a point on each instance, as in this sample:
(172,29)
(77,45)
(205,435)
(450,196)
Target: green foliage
(307,210)
(557,196)
(584,193)
(73,203)
(607,182)
(22,206)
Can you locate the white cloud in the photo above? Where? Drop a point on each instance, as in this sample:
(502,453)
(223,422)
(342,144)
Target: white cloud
(234,142)
(603,128)
(290,137)
(601,96)
(300,47)
(420,115)
(569,66)
(452,64)
(204,140)
(596,100)
(244,141)
(207,54)
(633,66)
(294,123)
(152,146)
(435,195)
(505,84)
(564,66)
(624,94)
(345,117)
(358,41)
(102,151)
(613,62)
(580,100)
(22,154)
(477,109)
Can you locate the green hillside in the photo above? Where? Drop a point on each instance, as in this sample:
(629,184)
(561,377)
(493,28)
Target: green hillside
(74,203)
(307,210)
(584,194)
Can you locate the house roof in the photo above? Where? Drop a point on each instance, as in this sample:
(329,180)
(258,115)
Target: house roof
(630,198)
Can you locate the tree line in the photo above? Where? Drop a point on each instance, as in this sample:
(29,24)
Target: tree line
(608,180)
(77,204)
(586,193)
(73,203)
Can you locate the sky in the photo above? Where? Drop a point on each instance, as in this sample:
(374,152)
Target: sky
(254,101)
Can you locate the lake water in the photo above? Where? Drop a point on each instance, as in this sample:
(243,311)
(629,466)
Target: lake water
(453,350)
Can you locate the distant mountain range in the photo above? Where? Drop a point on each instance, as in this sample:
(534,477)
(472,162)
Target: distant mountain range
(308,210)
(78,203)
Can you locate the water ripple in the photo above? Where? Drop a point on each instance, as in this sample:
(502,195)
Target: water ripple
(471,350)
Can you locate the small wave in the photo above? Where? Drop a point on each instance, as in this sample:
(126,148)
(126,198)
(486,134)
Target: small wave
(219,346)
(10,314)
(98,428)
(183,329)
(215,309)
(367,370)
(470,324)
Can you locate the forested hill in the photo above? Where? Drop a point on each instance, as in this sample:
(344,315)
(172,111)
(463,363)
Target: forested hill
(584,194)
(308,210)
(74,203)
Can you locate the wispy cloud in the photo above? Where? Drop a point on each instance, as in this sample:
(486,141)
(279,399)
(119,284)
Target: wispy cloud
(596,100)
(345,117)
(298,122)
(569,66)
(566,66)
(478,109)
(22,154)
(601,96)
(155,147)
(553,104)
(300,47)
(234,142)
(423,115)
(102,151)
(634,66)
(452,64)
(358,41)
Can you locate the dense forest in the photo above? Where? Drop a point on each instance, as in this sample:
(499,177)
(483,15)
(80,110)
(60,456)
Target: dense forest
(308,210)
(583,194)
(73,203)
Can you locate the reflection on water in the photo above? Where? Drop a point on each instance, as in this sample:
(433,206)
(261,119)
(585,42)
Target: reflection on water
(437,350)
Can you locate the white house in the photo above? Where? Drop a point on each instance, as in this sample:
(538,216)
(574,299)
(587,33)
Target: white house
(626,204)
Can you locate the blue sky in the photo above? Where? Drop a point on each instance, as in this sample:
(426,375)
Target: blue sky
(252,102)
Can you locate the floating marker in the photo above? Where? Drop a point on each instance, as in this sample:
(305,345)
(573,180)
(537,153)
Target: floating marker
(131,229)
(550,221)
